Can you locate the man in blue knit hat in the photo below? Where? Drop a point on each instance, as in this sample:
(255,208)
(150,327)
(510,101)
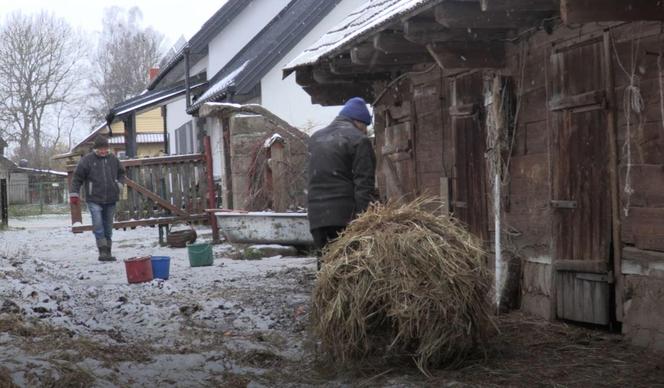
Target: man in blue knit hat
(341,172)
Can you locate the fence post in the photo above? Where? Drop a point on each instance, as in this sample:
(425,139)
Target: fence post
(41,197)
(212,203)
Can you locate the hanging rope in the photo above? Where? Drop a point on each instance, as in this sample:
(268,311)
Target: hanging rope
(632,102)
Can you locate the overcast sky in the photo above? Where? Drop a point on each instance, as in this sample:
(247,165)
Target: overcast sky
(172,18)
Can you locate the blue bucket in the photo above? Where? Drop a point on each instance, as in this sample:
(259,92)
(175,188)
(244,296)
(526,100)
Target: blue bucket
(160,267)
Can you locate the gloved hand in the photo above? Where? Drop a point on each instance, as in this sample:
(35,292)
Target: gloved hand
(74,200)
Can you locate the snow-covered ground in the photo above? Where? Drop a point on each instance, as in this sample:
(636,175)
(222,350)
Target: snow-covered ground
(67,320)
(236,319)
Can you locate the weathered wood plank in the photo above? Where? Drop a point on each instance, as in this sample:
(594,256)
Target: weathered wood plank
(154,221)
(644,227)
(647,184)
(587,11)
(468,55)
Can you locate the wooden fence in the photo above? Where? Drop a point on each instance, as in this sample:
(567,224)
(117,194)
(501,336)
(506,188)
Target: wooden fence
(160,191)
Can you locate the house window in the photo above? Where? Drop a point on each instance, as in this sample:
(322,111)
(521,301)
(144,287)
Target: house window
(184,139)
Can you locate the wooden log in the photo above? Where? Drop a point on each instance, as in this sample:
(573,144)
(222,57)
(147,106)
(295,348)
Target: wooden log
(344,66)
(367,55)
(468,55)
(395,43)
(519,5)
(470,15)
(588,11)
(425,31)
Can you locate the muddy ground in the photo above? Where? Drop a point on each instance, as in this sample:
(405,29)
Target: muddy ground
(68,320)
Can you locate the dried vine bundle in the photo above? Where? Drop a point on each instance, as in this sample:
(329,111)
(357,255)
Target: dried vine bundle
(402,280)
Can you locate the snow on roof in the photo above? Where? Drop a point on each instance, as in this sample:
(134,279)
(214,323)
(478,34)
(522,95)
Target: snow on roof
(372,16)
(223,83)
(39,171)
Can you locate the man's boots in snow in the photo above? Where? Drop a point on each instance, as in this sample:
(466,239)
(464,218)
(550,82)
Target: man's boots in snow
(109,256)
(104,247)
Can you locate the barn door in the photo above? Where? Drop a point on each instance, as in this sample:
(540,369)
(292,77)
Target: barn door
(397,164)
(469,185)
(581,196)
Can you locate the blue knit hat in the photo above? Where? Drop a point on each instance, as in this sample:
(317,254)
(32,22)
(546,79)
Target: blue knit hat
(356,109)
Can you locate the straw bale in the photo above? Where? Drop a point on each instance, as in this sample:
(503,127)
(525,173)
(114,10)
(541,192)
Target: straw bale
(403,281)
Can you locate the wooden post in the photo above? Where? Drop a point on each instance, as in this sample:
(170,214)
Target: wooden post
(613,174)
(74,209)
(211,192)
(4,203)
(279,179)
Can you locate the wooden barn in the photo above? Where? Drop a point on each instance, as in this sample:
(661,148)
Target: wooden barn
(540,119)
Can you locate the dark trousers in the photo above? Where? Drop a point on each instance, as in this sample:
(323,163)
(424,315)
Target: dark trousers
(325,234)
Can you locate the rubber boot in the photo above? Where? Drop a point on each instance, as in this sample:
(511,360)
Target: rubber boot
(104,250)
(109,256)
(101,247)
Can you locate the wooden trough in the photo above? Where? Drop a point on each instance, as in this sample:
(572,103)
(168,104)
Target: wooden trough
(265,228)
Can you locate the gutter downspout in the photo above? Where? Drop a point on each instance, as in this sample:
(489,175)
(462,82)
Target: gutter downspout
(186,76)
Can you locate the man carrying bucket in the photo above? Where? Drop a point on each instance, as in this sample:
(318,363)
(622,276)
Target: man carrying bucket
(101,176)
(341,172)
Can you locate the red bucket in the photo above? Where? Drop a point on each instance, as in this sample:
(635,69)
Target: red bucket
(139,269)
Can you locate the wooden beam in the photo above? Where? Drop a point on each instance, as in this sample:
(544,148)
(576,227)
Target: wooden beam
(587,11)
(337,94)
(423,32)
(468,55)
(159,200)
(324,75)
(149,222)
(519,5)
(470,15)
(304,76)
(395,43)
(367,55)
(344,66)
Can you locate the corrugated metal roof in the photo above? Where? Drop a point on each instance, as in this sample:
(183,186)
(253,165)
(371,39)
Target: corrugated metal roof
(198,44)
(267,48)
(372,16)
(141,138)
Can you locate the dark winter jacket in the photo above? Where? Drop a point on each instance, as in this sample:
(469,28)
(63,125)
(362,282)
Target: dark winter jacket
(99,175)
(341,174)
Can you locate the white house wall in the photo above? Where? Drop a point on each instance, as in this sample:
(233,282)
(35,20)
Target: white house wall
(240,31)
(199,66)
(287,99)
(176,116)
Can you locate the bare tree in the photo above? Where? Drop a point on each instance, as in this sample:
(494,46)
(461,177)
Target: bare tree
(123,58)
(39,56)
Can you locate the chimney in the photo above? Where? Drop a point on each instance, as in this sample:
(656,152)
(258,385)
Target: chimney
(152,73)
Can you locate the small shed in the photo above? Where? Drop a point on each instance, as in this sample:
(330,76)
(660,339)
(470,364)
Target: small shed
(539,124)
(37,186)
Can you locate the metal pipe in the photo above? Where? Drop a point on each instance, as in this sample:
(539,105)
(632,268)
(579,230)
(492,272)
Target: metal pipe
(186,76)
(211,191)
